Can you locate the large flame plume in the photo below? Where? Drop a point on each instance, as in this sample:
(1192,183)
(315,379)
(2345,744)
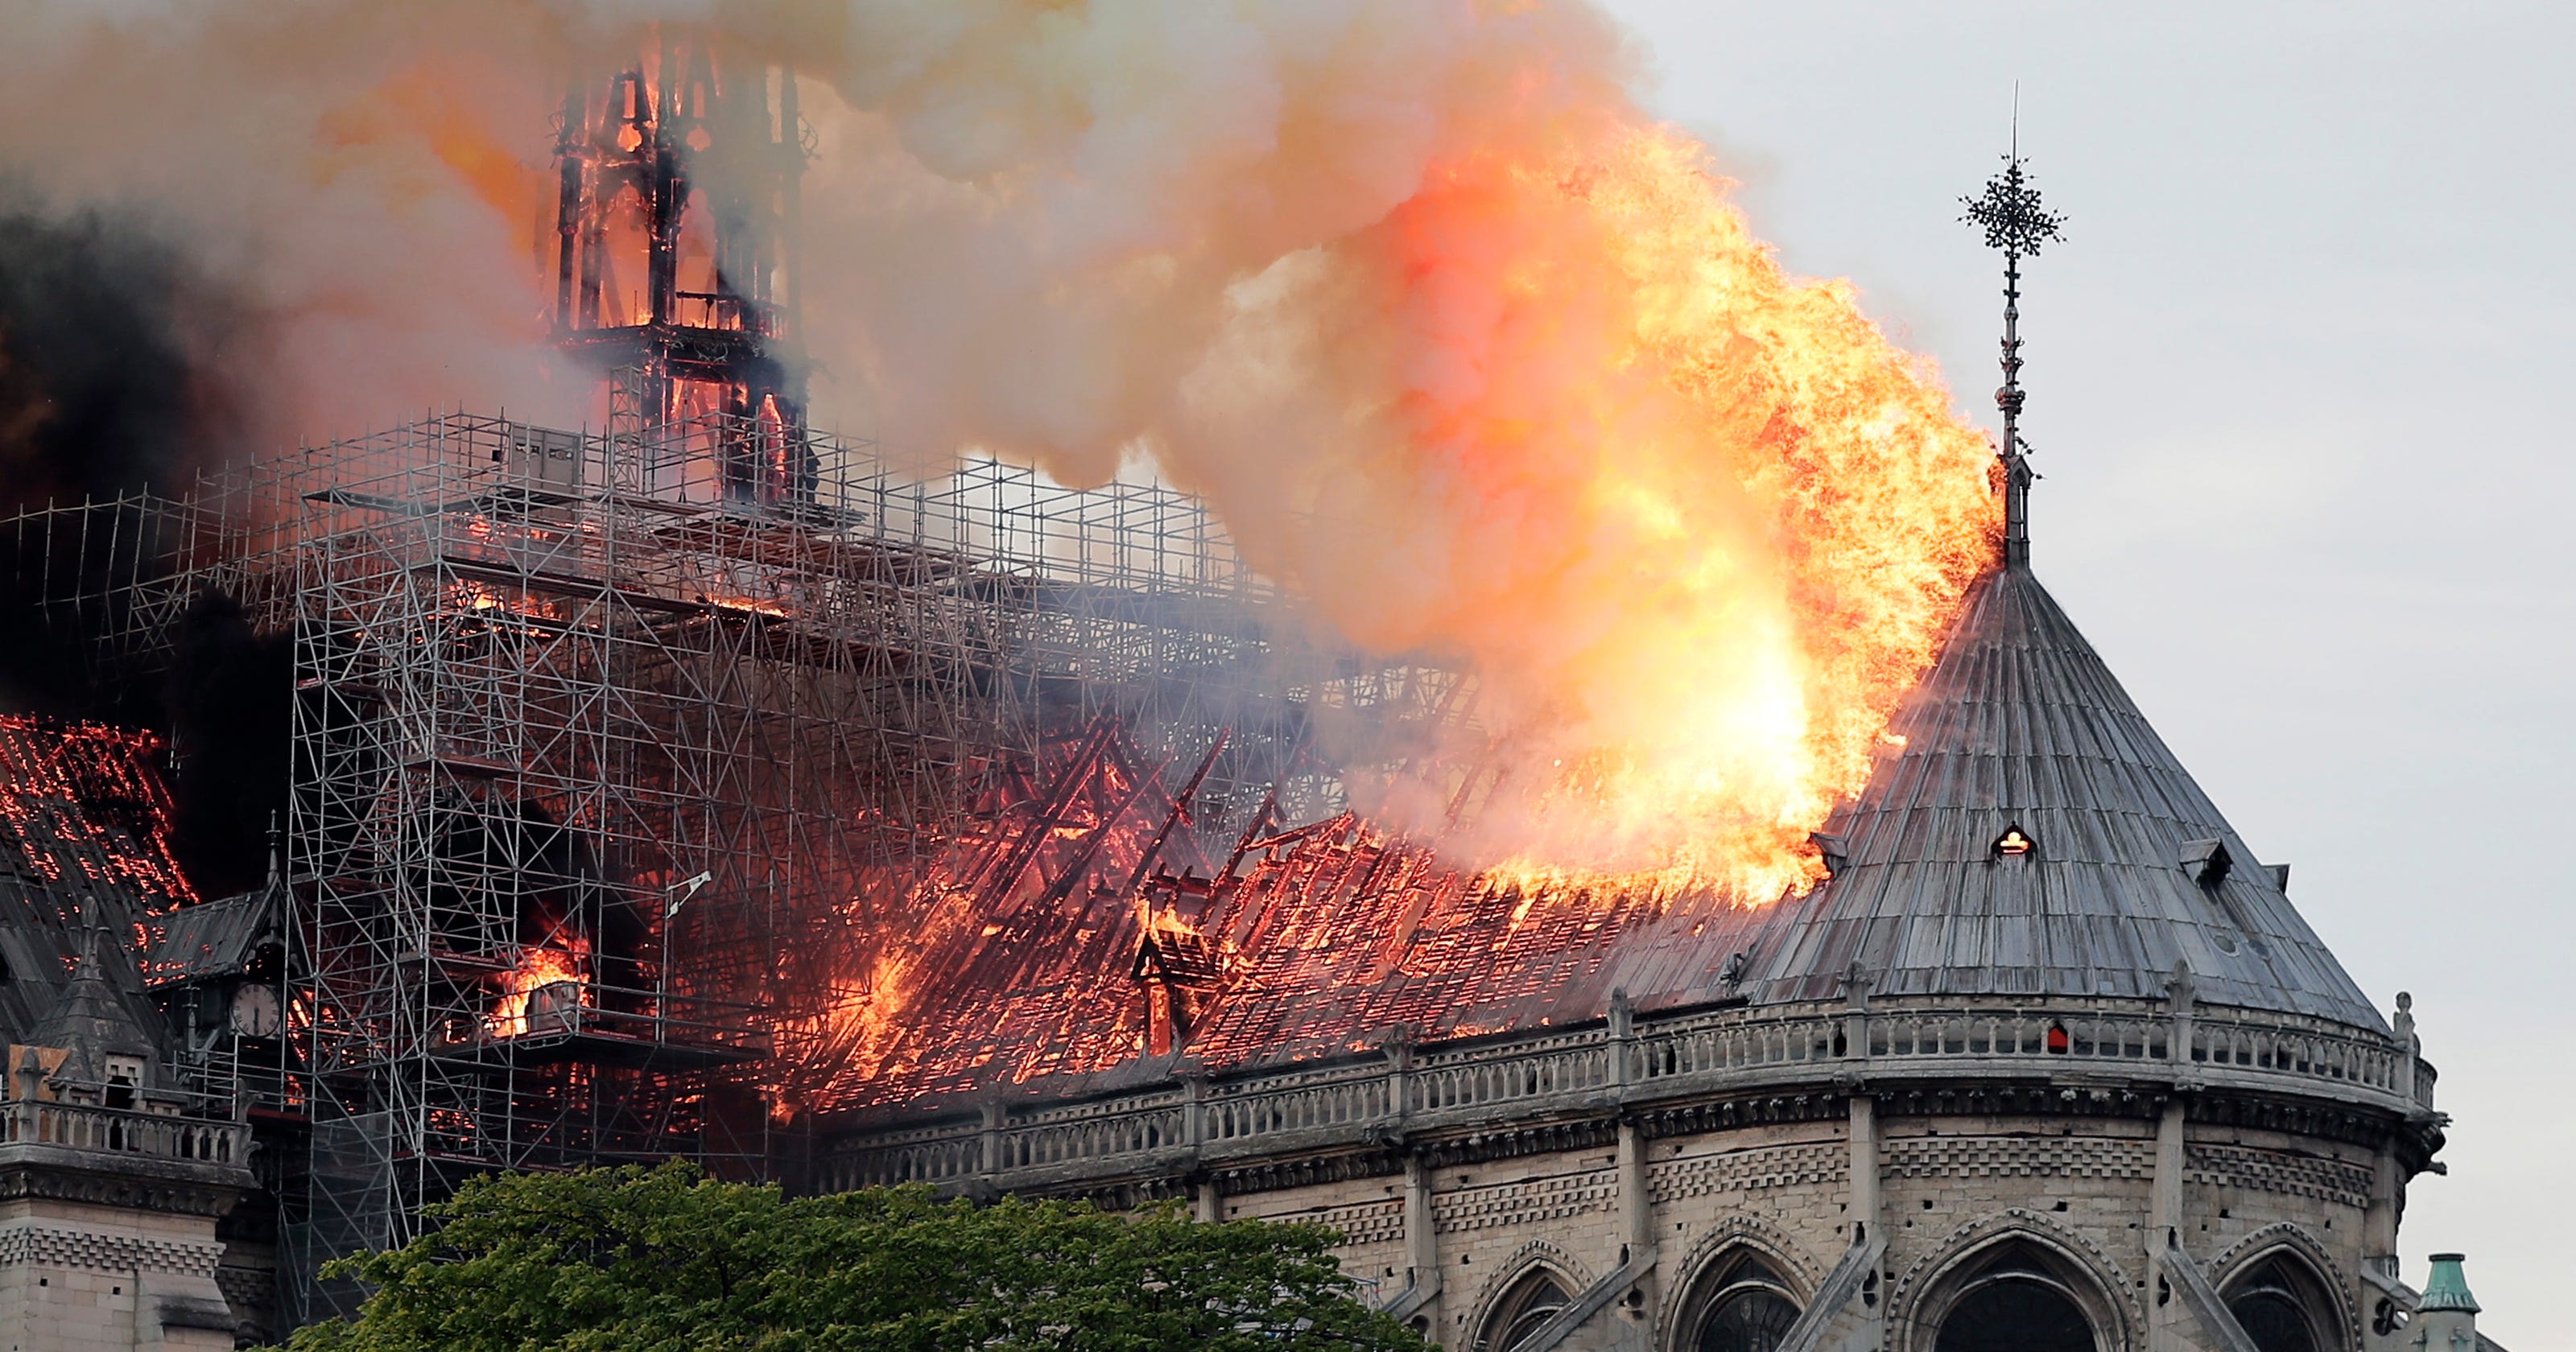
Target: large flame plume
(1697,524)
(1462,345)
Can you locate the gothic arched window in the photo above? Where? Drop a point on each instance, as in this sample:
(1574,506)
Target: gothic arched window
(2275,1303)
(1523,1310)
(1742,1306)
(2017,1302)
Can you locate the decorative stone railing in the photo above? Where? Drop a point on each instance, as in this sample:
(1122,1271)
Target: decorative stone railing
(121,1131)
(1639,1063)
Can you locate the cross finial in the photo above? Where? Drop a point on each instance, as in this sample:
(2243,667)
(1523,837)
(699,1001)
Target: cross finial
(2010,213)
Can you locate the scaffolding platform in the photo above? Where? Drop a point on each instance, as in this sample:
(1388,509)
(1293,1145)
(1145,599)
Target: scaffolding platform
(603,1047)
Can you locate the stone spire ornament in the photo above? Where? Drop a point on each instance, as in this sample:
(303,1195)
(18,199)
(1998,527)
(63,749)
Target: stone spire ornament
(2011,215)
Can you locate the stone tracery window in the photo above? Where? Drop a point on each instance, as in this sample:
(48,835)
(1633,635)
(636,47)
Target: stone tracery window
(1747,1307)
(2016,1301)
(1524,1308)
(2275,1302)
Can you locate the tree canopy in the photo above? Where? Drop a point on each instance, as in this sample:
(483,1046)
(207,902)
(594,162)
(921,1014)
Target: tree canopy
(667,1260)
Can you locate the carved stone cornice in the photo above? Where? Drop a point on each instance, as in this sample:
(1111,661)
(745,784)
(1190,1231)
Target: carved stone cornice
(1270,1175)
(99,1178)
(1511,1141)
(1740,1110)
(2021,1098)
(2414,1140)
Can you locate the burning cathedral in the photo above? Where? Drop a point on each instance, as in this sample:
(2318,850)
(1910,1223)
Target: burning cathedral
(698,784)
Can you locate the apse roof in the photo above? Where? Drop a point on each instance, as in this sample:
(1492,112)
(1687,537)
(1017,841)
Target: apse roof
(1336,938)
(2128,866)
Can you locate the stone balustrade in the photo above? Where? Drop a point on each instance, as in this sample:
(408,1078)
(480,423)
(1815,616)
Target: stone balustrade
(121,1131)
(1641,1063)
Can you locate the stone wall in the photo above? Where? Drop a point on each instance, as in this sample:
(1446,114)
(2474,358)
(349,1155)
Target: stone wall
(1949,1187)
(1875,1164)
(81,1278)
(109,1244)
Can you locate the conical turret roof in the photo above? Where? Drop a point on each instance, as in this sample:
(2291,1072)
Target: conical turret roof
(2129,868)
(91,1018)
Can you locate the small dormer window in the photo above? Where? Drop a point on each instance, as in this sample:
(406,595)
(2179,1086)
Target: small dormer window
(2013,844)
(2207,861)
(124,1077)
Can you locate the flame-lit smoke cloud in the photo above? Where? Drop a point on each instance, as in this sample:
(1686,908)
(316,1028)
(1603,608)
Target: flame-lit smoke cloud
(345,184)
(1461,345)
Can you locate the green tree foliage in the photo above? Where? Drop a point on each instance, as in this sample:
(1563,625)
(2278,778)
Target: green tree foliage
(668,1260)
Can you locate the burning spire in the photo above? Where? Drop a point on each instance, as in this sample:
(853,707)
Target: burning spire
(2010,213)
(678,181)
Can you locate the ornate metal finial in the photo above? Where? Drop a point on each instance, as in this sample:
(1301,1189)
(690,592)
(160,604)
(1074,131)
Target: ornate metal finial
(2010,213)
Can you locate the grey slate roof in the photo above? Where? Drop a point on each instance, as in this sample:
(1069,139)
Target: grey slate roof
(42,939)
(216,938)
(2020,724)
(92,1016)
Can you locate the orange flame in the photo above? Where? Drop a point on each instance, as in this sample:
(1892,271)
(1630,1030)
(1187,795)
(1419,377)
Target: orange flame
(751,605)
(537,969)
(1697,524)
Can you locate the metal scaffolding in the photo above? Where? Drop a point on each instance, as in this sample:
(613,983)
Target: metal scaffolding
(588,751)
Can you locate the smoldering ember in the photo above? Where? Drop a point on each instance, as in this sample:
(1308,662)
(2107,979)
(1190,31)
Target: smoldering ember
(1627,841)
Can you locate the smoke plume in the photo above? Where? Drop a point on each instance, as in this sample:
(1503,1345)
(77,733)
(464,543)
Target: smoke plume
(1463,347)
(97,324)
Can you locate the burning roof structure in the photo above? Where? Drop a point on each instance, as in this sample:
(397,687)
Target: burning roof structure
(2027,836)
(83,806)
(85,843)
(634,823)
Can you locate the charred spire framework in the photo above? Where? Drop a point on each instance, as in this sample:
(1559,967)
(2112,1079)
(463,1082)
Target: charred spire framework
(678,186)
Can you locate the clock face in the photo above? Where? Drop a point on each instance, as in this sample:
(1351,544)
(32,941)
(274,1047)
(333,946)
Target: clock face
(255,1011)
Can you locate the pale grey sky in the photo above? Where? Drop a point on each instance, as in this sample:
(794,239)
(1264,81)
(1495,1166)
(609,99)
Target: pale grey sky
(2297,386)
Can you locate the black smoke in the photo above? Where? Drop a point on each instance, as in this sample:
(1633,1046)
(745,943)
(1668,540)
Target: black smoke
(110,387)
(98,398)
(227,698)
(100,391)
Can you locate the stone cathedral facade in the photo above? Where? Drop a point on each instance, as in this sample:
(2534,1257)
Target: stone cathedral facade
(2050,1064)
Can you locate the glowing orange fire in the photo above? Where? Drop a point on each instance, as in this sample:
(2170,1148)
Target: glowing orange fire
(528,983)
(750,605)
(1696,523)
(56,782)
